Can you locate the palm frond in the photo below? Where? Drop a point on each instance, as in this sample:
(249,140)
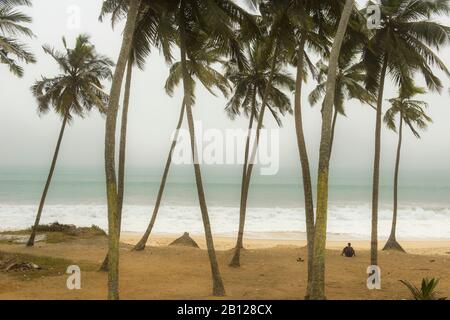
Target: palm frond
(78,89)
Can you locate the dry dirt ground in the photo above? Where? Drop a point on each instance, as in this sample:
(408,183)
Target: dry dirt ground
(183,273)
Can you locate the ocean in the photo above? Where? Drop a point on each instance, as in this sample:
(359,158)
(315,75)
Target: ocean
(275,207)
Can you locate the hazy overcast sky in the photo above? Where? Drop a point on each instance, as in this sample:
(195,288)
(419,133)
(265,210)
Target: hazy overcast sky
(27,139)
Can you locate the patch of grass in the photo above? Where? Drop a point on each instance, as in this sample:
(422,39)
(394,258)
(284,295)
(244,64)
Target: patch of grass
(58,237)
(74,234)
(57,233)
(50,266)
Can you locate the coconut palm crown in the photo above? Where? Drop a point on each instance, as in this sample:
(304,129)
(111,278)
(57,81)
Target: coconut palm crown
(405,42)
(78,89)
(250,84)
(12,21)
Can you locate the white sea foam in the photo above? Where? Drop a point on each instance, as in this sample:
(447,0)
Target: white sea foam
(347,220)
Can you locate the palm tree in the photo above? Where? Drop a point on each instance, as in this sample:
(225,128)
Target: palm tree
(153,29)
(310,32)
(312,24)
(11,25)
(276,45)
(320,232)
(143,241)
(309,24)
(199,68)
(250,83)
(110,148)
(210,58)
(349,85)
(401,47)
(74,92)
(217,20)
(412,113)
(190,18)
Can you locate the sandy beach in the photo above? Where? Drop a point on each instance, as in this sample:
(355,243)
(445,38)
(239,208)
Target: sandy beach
(285,239)
(270,269)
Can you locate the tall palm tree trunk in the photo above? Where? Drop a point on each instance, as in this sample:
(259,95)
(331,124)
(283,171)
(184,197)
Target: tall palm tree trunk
(30,242)
(218,287)
(142,243)
(122,152)
(392,241)
(304,160)
(110,148)
(376,168)
(320,234)
(123,142)
(333,129)
(235,261)
(240,239)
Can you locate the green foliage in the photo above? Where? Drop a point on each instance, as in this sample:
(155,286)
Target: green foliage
(406,41)
(411,111)
(200,66)
(155,27)
(249,84)
(57,233)
(349,85)
(79,87)
(427,291)
(12,21)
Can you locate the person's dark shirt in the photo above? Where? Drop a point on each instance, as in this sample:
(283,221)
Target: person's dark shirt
(348,252)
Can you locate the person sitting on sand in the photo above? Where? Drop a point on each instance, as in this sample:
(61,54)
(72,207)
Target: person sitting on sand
(348,251)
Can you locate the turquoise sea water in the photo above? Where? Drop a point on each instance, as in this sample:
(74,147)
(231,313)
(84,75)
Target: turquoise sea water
(77,195)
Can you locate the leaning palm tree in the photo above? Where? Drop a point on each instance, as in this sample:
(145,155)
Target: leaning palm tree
(187,26)
(250,84)
(203,69)
(110,150)
(307,26)
(314,32)
(76,91)
(189,17)
(311,31)
(11,26)
(401,47)
(320,232)
(412,113)
(349,85)
(153,30)
(312,25)
(217,20)
(277,43)
(300,25)
(200,69)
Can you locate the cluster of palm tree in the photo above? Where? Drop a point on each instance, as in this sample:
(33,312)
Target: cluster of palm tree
(401,48)
(247,59)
